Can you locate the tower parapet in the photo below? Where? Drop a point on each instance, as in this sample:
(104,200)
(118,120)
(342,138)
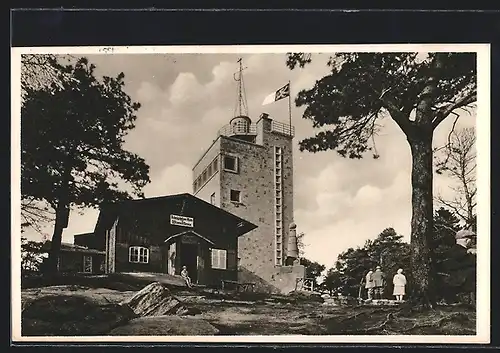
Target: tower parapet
(240,127)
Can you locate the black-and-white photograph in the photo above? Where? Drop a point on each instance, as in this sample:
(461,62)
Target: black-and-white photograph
(309,193)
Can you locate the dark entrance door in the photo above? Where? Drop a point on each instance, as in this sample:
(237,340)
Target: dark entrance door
(189,254)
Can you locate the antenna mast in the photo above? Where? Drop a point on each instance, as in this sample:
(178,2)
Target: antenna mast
(241,107)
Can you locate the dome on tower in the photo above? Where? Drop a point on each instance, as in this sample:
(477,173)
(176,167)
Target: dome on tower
(240,125)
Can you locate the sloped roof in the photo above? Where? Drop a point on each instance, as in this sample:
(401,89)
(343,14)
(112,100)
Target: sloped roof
(68,247)
(110,212)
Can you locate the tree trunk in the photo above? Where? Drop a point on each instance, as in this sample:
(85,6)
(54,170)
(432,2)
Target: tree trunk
(422,220)
(62,217)
(55,246)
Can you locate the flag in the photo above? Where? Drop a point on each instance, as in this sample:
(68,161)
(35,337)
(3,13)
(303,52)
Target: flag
(283,92)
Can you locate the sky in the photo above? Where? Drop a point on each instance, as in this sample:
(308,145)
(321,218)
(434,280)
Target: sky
(186,98)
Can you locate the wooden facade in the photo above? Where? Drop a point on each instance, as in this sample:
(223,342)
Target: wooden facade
(76,258)
(161,235)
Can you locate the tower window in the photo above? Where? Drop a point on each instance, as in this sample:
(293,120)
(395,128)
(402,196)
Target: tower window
(212,199)
(231,163)
(235,196)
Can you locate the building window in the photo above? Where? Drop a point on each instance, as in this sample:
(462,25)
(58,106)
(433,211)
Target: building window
(212,199)
(87,263)
(215,165)
(235,196)
(138,254)
(219,259)
(231,163)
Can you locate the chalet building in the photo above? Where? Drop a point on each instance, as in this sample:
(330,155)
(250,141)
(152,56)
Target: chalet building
(162,234)
(75,258)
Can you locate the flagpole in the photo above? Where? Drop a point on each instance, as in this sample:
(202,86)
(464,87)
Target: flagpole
(290,105)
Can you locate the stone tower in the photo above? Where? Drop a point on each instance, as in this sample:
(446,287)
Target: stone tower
(248,171)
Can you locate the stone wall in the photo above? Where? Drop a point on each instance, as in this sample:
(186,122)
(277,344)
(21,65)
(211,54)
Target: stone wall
(282,280)
(285,277)
(254,180)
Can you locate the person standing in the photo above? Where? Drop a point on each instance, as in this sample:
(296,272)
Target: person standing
(378,283)
(369,284)
(399,281)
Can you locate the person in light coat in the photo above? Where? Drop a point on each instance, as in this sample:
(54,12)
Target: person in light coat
(369,284)
(399,281)
(185,276)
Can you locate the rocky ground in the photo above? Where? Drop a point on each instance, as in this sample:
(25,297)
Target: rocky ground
(92,310)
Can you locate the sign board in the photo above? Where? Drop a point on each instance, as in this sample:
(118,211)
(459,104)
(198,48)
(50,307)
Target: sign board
(182,221)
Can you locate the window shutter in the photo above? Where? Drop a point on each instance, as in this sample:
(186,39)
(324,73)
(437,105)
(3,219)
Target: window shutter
(223,259)
(231,259)
(213,258)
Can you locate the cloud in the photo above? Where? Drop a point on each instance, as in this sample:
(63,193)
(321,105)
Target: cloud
(343,220)
(186,90)
(173,179)
(149,92)
(368,195)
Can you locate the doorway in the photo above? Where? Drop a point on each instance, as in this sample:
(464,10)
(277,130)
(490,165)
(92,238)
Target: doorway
(189,255)
(169,258)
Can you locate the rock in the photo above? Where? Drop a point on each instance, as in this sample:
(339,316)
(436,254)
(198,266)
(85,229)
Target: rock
(389,302)
(66,315)
(165,325)
(347,300)
(306,296)
(330,302)
(155,300)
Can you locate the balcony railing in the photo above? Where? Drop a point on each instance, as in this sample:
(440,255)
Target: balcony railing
(276,126)
(231,130)
(282,128)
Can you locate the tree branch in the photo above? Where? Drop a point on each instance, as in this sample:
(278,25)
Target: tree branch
(457,210)
(449,143)
(443,112)
(446,227)
(397,115)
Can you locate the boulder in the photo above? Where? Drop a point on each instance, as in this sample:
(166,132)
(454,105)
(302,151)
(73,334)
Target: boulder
(155,300)
(306,296)
(165,325)
(66,315)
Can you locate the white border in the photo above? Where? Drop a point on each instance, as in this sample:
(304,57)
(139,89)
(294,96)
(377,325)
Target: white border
(483,185)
